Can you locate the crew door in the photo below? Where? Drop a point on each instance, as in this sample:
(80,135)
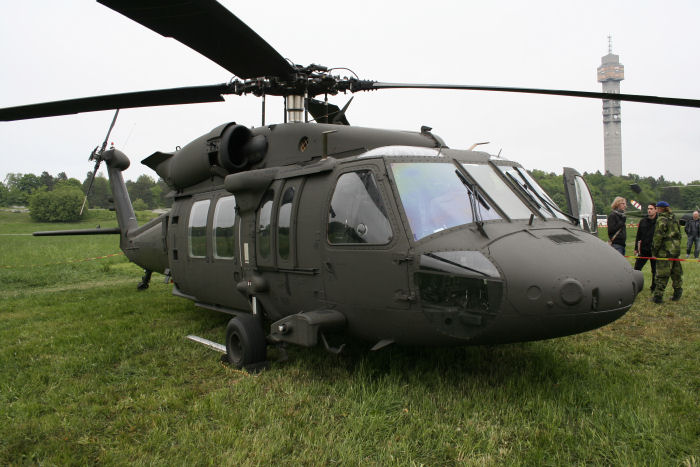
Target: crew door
(291,283)
(199,281)
(224,268)
(580,200)
(365,266)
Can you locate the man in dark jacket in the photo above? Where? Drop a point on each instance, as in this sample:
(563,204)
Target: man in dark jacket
(643,241)
(692,229)
(617,230)
(667,244)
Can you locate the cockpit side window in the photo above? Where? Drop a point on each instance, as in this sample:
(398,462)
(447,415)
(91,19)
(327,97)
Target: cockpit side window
(357,213)
(532,191)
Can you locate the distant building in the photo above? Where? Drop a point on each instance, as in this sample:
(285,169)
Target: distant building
(610,73)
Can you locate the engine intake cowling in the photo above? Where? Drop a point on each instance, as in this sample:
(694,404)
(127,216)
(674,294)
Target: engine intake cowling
(228,148)
(239,148)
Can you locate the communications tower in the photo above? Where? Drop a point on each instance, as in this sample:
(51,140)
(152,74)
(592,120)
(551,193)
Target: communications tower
(610,73)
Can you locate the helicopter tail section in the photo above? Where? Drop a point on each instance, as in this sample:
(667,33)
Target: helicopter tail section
(143,245)
(117,162)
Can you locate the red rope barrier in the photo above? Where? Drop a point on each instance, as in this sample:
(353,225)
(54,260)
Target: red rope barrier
(695,260)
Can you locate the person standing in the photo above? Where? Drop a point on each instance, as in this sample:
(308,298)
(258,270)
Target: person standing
(617,230)
(666,246)
(692,229)
(643,241)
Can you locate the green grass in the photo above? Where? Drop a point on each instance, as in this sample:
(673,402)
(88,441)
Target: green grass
(92,371)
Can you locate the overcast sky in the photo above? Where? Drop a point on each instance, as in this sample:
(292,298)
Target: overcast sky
(53,50)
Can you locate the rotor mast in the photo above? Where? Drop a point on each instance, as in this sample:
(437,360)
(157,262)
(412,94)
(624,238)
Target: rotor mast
(294,108)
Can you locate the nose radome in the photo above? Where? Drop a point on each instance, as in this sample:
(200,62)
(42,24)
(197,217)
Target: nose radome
(548,273)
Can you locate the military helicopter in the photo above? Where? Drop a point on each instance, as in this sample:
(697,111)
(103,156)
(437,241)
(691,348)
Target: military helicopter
(304,230)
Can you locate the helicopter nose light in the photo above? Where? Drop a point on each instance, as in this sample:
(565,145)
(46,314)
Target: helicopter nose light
(571,292)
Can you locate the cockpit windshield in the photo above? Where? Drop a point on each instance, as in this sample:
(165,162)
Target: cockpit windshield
(435,198)
(498,190)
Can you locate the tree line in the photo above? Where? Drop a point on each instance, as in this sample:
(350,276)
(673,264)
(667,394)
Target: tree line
(604,188)
(147,193)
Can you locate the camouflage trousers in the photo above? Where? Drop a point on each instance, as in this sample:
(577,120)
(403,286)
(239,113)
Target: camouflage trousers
(664,270)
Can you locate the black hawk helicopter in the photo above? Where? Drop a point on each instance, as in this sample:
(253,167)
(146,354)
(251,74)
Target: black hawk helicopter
(303,229)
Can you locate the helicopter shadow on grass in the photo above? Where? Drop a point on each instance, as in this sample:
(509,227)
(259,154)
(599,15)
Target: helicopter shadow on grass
(531,366)
(523,367)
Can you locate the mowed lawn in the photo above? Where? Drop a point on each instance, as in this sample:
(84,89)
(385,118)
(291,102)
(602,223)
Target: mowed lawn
(92,371)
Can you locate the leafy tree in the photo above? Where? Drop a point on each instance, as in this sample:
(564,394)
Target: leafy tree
(20,187)
(164,190)
(141,189)
(690,197)
(100,193)
(4,192)
(156,194)
(60,205)
(70,182)
(47,180)
(139,205)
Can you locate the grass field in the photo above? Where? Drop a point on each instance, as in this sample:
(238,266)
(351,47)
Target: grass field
(92,371)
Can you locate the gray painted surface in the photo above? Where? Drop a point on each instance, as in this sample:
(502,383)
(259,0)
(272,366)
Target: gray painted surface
(610,73)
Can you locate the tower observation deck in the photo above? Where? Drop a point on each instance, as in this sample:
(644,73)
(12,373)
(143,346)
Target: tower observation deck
(610,73)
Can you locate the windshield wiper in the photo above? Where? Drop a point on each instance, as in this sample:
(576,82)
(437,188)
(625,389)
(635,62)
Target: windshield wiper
(546,204)
(475,200)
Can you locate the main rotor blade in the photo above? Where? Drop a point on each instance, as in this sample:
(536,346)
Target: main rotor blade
(186,95)
(553,92)
(209,28)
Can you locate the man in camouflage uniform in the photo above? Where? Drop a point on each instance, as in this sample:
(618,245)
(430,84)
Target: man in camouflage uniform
(667,244)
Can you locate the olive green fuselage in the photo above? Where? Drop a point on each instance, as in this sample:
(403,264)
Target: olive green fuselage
(352,228)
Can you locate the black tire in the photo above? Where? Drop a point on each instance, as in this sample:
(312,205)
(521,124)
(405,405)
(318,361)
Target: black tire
(245,341)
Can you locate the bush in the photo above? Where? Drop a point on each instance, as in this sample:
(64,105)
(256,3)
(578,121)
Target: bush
(139,205)
(60,205)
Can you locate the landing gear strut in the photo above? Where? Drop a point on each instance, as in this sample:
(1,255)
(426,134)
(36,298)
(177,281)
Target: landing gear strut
(145,280)
(246,345)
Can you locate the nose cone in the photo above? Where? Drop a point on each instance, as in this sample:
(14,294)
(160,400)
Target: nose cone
(559,282)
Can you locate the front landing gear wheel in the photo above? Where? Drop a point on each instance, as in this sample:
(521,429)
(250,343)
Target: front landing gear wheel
(245,341)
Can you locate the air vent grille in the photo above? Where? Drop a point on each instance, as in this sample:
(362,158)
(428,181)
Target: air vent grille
(563,238)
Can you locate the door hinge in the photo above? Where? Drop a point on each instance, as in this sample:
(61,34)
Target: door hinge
(404,296)
(404,260)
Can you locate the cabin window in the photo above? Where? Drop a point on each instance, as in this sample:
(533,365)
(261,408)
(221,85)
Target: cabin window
(198,229)
(357,212)
(224,219)
(284,218)
(264,226)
